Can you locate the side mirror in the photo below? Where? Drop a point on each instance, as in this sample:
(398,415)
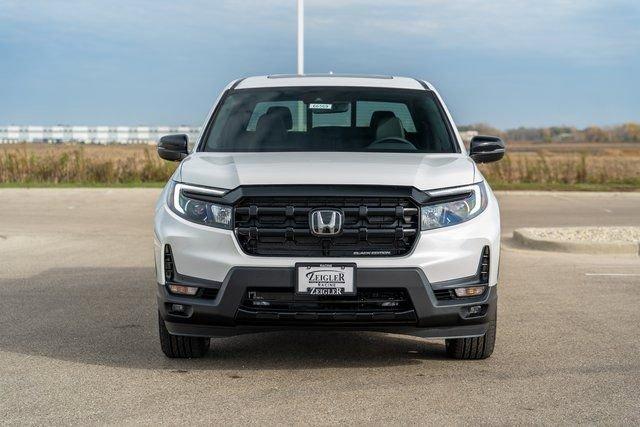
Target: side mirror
(173,147)
(486,149)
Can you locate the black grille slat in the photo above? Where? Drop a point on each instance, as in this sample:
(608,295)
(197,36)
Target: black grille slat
(373,226)
(293,210)
(282,232)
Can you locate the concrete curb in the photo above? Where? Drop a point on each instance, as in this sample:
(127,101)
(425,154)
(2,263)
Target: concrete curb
(527,238)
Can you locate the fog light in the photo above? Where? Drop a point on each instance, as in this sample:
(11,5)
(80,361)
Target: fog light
(472,291)
(476,309)
(183,290)
(178,308)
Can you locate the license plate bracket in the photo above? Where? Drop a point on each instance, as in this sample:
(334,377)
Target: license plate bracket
(325,279)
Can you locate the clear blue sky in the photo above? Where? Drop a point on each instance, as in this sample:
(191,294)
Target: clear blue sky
(507,63)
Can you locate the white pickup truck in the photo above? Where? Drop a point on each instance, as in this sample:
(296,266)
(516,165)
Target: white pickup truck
(328,202)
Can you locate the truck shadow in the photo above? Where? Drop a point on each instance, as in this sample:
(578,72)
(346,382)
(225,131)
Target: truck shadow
(106,316)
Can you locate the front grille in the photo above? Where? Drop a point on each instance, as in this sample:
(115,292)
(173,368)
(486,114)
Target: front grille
(373,226)
(369,305)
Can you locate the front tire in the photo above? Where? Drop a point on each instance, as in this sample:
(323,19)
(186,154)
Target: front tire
(473,348)
(181,347)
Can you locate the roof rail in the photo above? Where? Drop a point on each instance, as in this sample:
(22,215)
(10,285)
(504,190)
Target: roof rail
(358,76)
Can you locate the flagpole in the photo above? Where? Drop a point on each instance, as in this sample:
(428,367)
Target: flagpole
(300,37)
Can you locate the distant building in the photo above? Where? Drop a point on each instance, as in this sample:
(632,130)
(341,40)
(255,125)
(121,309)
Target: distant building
(110,134)
(92,134)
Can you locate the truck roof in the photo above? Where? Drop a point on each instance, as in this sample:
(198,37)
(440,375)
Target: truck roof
(280,80)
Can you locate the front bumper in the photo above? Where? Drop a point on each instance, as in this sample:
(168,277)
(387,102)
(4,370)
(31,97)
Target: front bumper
(211,258)
(223,315)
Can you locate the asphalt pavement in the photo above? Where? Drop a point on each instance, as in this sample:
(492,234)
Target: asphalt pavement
(78,339)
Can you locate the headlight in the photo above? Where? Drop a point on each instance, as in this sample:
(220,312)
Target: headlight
(191,203)
(453,206)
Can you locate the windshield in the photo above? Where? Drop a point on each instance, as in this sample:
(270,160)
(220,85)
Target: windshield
(329,119)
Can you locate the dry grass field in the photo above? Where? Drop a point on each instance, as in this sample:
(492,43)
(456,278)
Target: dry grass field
(46,164)
(588,166)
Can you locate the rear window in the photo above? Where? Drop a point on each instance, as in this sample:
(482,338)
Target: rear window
(366,109)
(296,109)
(329,119)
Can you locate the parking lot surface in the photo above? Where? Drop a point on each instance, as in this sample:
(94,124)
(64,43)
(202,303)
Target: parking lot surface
(78,338)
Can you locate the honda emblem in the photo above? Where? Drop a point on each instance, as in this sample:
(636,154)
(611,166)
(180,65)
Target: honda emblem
(326,222)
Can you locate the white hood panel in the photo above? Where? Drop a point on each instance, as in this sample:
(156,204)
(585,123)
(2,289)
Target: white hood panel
(423,171)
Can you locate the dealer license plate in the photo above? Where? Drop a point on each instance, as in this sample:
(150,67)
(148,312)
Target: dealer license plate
(325,279)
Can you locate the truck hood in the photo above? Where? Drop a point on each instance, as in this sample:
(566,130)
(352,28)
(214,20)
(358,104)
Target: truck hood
(422,171)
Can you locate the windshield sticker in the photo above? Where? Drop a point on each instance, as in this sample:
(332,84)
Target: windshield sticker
(320,106)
